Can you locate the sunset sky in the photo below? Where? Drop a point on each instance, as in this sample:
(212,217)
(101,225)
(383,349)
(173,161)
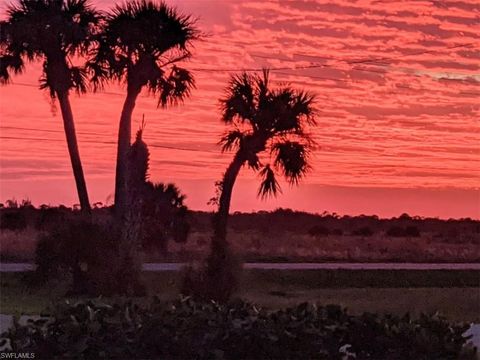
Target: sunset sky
(398,89)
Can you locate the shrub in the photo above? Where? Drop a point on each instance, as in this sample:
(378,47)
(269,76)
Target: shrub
(218,278)
(412,231)
(207,330)
(363,231)
(409,231)
(164,216)
(13,219)
(338,232)
(318,230)
(396,231)
(49,218)
(83,249)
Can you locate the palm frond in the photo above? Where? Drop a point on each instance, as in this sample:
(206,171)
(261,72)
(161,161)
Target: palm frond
(291,110)
(10,63)
(176,87)
(150,26)
(292,158)
(79,79)
(239,99)
(51,31)
(231,140)
(269,185)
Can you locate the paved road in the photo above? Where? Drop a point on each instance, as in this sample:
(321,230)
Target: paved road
(21,267)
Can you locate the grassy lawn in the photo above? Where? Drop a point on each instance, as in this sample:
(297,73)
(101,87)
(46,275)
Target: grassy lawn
(455,294)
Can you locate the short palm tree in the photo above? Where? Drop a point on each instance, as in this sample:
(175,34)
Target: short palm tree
(265,124)
(52,31)
(141,43)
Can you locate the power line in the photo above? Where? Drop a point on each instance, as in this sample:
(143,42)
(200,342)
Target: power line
(313,66)
(98,142)
(346,81)
(351,62)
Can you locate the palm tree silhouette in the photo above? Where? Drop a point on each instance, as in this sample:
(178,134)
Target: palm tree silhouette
(266,122)
(53,31)
(140,45)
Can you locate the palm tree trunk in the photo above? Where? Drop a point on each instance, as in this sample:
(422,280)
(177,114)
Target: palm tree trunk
(71,136)
(124,137)
(221,218)
(221,279)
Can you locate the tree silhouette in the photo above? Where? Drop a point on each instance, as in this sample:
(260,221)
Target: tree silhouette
(52,31)
(266,122)
(154,213)
(141,43)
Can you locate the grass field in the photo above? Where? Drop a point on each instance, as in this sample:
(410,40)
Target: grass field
(19,246)
(455,294)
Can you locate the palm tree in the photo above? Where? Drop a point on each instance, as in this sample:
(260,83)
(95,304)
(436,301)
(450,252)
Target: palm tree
(140,45)
(52,31)
(264,123)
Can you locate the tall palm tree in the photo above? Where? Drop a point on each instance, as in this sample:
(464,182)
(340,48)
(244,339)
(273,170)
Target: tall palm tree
(273,122)
(141,44)
(265,124)
(52,31)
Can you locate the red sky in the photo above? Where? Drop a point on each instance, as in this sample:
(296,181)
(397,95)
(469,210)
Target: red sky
(398,85)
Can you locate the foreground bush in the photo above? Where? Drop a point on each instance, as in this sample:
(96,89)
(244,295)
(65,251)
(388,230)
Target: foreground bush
(190,330)
(83,249)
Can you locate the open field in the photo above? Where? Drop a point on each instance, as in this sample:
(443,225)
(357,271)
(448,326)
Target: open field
(253,246)
(454,294)
(280,236)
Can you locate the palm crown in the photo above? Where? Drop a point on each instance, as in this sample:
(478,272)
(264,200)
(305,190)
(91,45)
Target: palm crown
(269,121)
(140,44)
(52,30)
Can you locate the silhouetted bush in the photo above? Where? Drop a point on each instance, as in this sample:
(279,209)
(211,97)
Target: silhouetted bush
(207,330)
(318,230)
(398,231)
(363,231)
(218,278)
(412,231)
(164,216)
(13,219)
(50,217)
(83,249)
(338,232)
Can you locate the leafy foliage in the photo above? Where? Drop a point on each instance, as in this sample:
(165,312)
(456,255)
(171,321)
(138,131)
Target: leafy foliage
(140,44)
(159,207)
(363,231)
(164,216)
(186,329)
(271,120)
(12,219)
(79,248)
(408,231)
(53,31)
(318,230)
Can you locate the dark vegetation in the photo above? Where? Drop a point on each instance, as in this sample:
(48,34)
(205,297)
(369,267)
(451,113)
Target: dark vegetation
(15,217)
(186,329)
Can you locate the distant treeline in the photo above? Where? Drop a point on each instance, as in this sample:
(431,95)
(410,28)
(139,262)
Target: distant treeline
(19,216)
(282,220)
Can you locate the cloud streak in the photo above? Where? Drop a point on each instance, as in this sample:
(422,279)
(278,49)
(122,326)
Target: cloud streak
(397,85)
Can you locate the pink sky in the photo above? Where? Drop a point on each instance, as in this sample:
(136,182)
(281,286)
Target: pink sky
(399,134)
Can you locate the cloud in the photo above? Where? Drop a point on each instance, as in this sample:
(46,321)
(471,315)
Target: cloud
(397,86)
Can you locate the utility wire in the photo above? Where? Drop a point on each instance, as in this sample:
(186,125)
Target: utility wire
(313,66)
(95,141)
(351,62)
